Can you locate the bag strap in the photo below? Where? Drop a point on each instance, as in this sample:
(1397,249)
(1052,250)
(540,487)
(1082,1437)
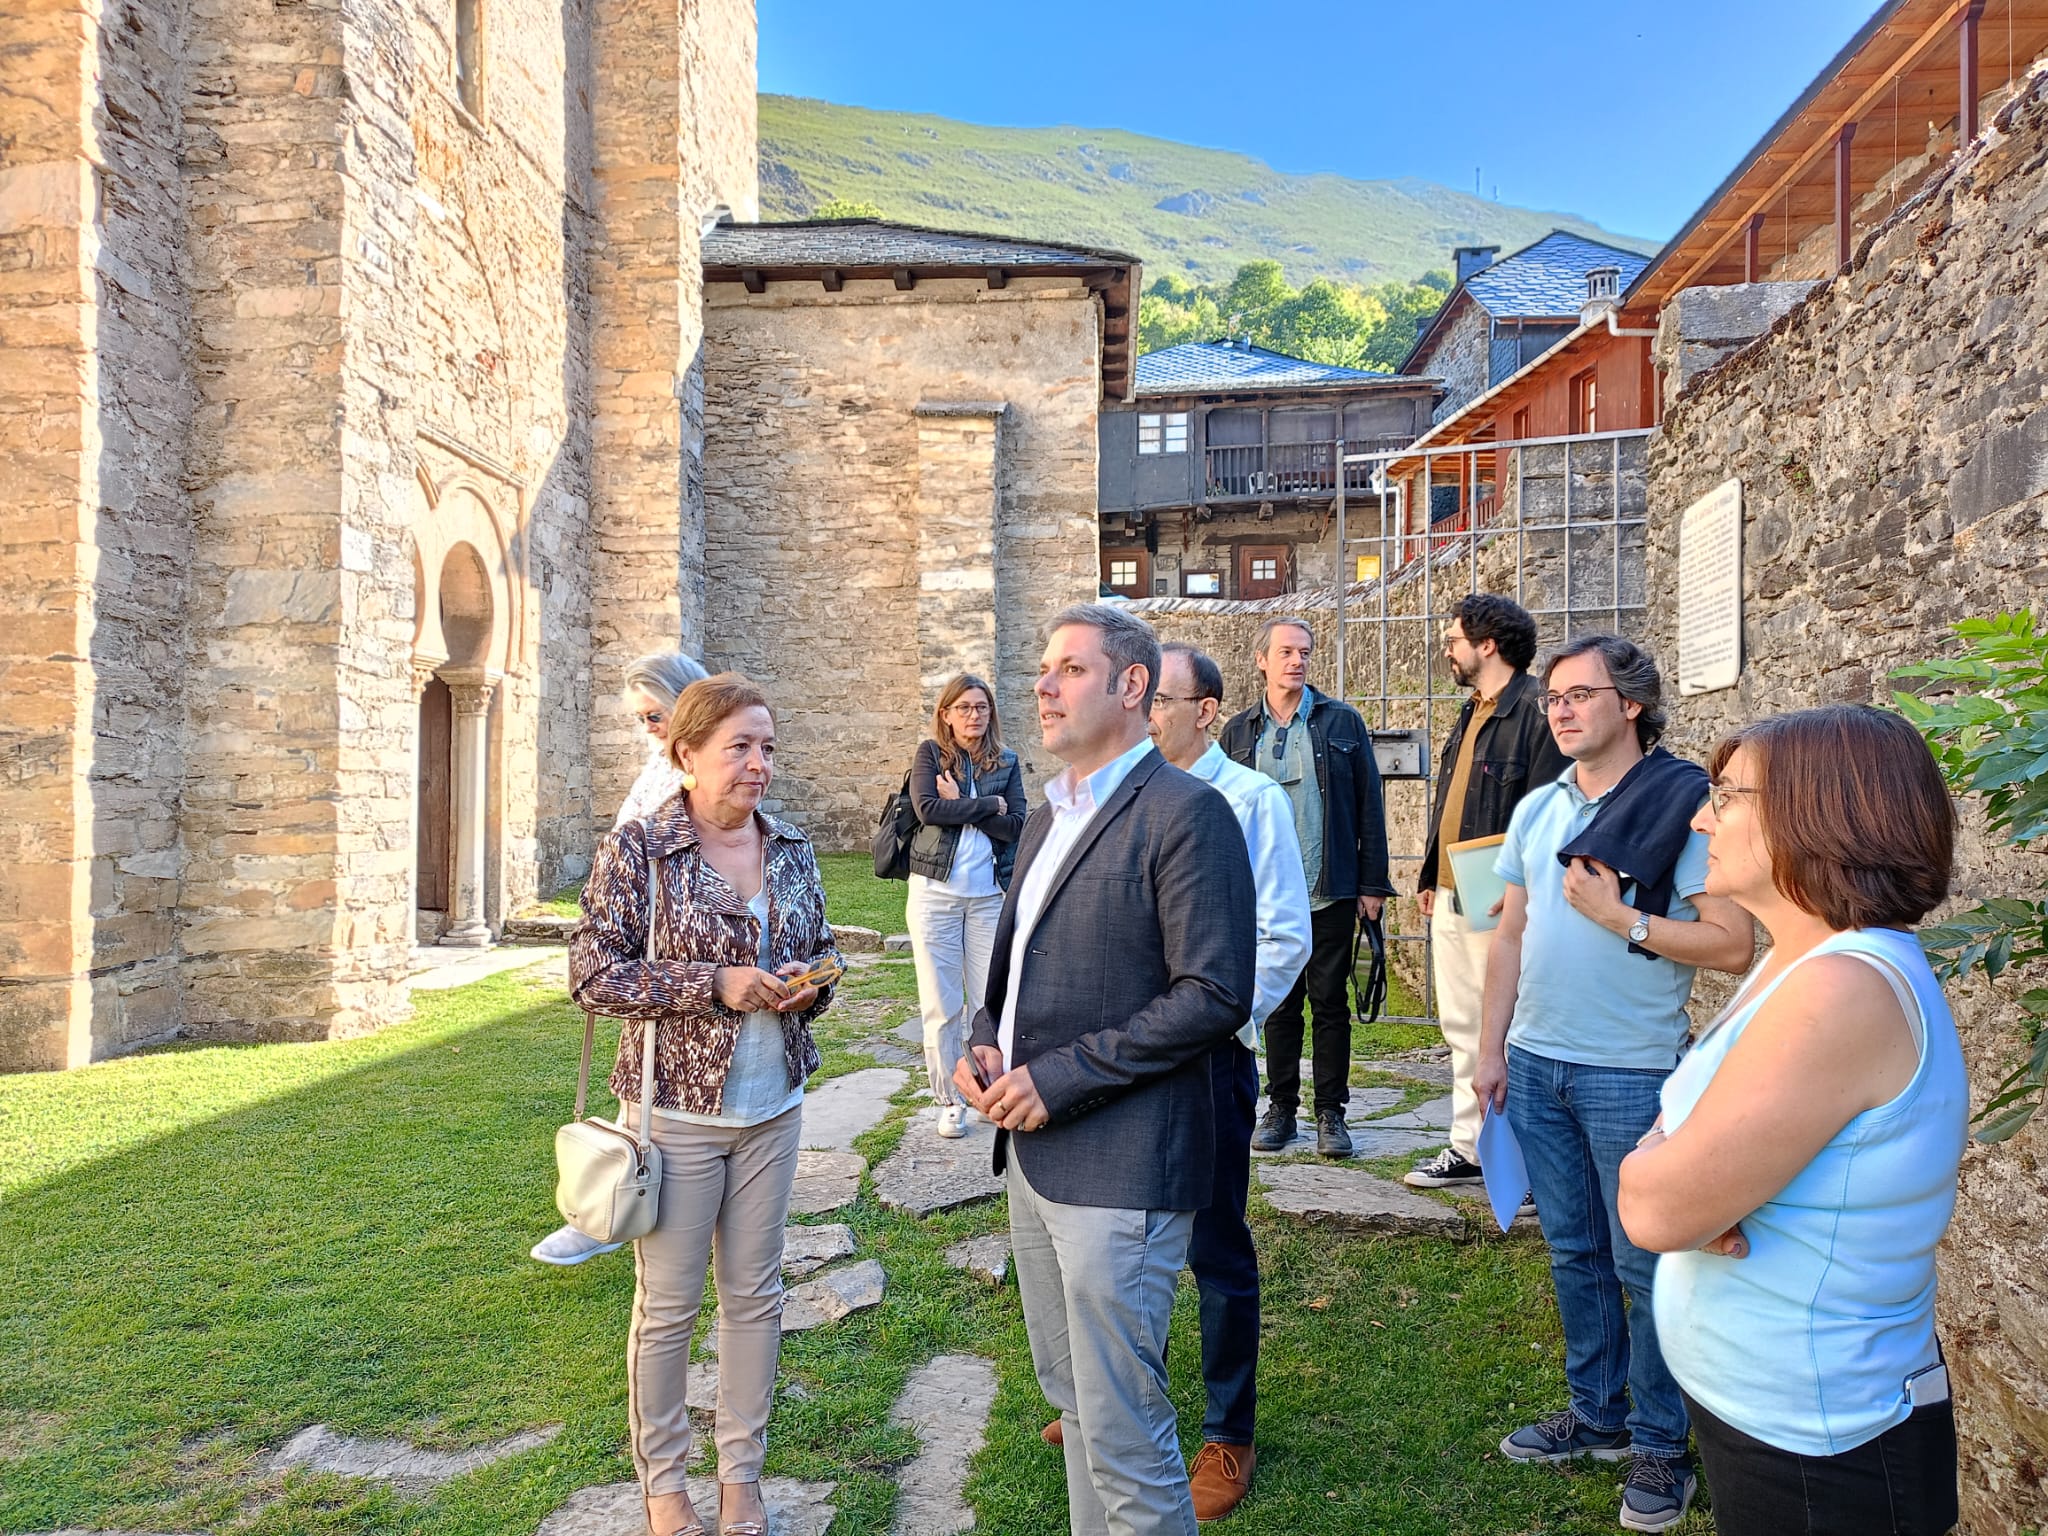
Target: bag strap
(646,1029)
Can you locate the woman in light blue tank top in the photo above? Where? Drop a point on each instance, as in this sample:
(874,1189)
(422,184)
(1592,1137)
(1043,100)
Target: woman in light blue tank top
(1804,1168)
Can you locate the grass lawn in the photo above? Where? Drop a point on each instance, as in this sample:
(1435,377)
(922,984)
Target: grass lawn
(209,1248)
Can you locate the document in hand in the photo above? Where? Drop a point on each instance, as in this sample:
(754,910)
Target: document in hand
(1479,888)
(1500,1163)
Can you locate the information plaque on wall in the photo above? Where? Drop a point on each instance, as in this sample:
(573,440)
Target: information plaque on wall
(1710,591)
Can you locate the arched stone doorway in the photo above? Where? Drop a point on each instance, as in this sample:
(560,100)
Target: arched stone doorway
(461,644)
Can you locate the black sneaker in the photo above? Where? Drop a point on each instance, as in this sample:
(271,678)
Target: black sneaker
(1332,1139)
(1564,1436)
(1528,1203)
(1657,1492)
(1442,1171)
(1276,1129)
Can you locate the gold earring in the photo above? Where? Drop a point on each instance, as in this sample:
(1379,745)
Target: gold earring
(689,781)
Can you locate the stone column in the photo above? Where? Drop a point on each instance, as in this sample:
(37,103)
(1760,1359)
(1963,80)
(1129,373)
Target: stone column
(467,927)
(959,500)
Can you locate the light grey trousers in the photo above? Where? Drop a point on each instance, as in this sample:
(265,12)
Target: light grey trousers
(724,1198)
(951,940)
(1458,967)
(1097,1284)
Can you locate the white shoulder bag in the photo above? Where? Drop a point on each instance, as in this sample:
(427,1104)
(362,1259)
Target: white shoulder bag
(607,1178)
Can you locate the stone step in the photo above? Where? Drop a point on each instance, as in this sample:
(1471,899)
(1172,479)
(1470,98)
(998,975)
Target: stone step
(985,1258)
(317,1448)
(1352,1200)
(825,1181)
(946,1401)
(928,1172)
(832,1295)
(541,928)
(842,1108)
(807,1248)
(615,1509)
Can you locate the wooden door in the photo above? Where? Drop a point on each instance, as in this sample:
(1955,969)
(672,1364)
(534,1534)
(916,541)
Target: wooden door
(436,790)
(1128,571)
(1261,570)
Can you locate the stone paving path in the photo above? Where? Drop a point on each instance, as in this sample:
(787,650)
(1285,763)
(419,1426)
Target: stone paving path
(947,1402)
(615,1509)
(849,1106)
(807,1248)
(927,1172)
(825,1181)
(1352,1200)
(832,1295)
(399,1462)
(437,969)
(985,1258)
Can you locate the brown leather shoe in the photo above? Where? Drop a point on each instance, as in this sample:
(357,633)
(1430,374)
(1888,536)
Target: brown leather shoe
(1220,1478)
(1052,1434)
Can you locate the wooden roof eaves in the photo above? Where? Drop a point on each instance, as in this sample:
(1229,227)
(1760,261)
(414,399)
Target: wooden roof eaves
(1478,413)
(1288,394)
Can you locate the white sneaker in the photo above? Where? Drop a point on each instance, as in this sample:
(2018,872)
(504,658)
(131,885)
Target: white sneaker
(566,1245)
(953,1121)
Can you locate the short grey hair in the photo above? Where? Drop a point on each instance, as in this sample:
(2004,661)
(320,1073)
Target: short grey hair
(1631,671)
(664,675)
(1286,621)
(1208,677)
(1127,640)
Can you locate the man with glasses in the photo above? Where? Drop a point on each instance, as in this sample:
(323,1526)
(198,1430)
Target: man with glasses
(1319,751)
(1499,749)
(1605,918)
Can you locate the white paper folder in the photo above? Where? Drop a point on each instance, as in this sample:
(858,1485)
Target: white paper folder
(1479,888)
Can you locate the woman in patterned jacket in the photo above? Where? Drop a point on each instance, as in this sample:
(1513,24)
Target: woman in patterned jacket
(737,912)
(653,683)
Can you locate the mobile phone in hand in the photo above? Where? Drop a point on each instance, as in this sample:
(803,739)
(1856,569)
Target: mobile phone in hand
(981,1079)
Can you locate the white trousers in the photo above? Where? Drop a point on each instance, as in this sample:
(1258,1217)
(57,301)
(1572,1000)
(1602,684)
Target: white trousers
(1458,970)
(951,940)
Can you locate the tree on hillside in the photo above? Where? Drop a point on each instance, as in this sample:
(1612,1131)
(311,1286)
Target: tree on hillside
(1327,322)
(845,208)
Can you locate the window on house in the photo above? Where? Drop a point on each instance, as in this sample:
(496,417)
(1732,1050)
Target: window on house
(469,56)
(1521,429)
(1585,402)
(1127,572)
(1165,432)
(1261,570)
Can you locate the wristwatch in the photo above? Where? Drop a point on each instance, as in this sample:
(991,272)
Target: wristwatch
(1639,930)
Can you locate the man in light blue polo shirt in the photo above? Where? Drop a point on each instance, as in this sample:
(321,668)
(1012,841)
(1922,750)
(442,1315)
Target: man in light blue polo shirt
(1583,1019)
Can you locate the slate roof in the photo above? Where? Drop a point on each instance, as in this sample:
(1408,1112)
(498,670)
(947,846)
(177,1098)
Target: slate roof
(1218,367)
(875,243)
(1549,277)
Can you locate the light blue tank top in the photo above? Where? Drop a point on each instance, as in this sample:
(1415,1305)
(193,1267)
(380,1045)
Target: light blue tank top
(1806,1344)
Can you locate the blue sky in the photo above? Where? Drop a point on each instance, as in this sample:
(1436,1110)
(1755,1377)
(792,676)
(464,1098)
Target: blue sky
(1626,114)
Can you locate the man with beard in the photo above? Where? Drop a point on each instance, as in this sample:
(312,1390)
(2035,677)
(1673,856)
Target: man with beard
(1500,747)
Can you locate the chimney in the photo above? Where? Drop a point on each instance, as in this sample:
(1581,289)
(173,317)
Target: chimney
(1603,293)
(1473,258)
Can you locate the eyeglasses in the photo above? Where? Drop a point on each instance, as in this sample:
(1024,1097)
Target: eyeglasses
(1578,698)
(1718,795)
(1175,698)
(650,716)
(967,709)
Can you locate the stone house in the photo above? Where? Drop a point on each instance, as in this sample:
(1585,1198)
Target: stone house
(1500,316)
(900,472)
(346,387)
(1218,478)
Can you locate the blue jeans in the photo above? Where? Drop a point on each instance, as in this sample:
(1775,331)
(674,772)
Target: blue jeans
(1575,1124)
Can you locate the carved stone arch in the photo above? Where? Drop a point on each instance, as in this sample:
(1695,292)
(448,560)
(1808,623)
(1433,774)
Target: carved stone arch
(469,509)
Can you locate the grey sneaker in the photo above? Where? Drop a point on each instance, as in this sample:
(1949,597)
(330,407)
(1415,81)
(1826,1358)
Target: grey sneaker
(1276,1129)
(1564,1436)
(565,1245)
(1657,1492)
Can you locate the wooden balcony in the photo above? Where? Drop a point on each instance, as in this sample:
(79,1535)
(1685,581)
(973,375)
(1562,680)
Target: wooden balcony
(1262,471)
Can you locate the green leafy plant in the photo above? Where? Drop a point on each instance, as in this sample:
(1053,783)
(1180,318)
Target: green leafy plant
(1988,728)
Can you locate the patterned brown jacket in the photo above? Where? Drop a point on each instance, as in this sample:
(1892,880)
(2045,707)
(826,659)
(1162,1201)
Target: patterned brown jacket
(704,925)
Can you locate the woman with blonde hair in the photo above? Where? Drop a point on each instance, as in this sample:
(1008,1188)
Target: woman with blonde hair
(705,922)
(968,791)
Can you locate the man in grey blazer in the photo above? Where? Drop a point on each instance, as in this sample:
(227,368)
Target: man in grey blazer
(1125,955)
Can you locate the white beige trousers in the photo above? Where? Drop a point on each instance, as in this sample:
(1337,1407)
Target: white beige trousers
(952,939)
(724,1200)
(1458,971)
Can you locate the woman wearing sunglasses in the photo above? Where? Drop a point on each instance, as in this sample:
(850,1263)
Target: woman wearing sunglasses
(1804,1167)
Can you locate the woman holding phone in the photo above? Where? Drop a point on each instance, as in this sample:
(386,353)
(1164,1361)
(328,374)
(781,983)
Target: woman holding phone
(968,793)
(740,960)
(1804,1167)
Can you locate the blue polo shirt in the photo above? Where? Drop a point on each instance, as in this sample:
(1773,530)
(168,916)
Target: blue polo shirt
(1582,997)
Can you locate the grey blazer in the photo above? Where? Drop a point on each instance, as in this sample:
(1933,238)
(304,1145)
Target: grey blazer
(1140,965)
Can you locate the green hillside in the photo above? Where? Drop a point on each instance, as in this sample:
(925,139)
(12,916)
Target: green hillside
(1199,212)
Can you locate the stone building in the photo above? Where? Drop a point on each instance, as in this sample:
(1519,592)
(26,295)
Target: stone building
(900,467)
(345,362)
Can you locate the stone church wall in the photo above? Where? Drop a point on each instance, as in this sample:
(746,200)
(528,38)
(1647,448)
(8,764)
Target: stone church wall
(872,457)
(1891,436)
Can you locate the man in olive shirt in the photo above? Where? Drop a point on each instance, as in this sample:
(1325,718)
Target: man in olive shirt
(1500,746)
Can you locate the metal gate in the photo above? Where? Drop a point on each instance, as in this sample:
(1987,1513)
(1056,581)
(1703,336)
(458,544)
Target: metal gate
(1557,523)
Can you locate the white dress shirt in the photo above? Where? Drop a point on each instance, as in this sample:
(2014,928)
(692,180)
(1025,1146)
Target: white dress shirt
(1073,806)
(1281,888)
